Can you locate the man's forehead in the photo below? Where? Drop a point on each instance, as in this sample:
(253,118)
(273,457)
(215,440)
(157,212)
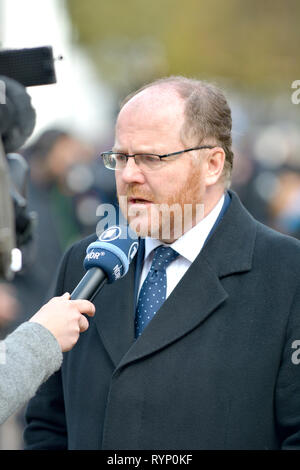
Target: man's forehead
(157,101)
(162,92)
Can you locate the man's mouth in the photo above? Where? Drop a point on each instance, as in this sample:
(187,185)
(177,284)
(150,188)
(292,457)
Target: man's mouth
(138,200)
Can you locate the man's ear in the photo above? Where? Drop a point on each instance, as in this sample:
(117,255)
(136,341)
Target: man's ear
(214,165)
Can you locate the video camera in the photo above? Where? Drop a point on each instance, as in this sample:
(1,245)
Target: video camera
(19,68)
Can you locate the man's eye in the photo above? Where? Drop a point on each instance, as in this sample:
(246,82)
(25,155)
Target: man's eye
(150,158)
(120,157)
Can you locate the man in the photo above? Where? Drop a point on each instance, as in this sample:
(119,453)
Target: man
(196,347)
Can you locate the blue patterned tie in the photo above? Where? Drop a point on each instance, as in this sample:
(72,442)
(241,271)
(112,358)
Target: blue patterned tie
(154,289)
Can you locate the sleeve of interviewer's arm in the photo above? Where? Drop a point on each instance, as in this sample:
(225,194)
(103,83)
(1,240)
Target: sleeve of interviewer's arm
(45,415)
(29,356)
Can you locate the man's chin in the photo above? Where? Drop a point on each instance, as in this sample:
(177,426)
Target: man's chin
(143,229)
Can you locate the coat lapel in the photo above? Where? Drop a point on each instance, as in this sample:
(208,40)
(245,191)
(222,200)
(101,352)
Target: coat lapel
(196,296)
(115,315)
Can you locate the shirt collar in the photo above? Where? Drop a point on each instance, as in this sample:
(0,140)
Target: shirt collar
(190,243)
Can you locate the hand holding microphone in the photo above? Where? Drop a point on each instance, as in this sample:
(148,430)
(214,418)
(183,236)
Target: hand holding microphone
(64,319)
(107,260)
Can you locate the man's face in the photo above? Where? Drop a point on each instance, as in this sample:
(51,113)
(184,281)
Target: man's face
(151,123)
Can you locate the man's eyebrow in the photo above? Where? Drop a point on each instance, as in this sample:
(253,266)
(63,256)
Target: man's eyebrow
(138,152)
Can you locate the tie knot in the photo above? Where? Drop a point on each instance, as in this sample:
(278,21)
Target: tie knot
(163,256)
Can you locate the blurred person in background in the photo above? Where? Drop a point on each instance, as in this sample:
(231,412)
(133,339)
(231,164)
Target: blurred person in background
(245,175)
(284,206)
(64,193)
(267,176)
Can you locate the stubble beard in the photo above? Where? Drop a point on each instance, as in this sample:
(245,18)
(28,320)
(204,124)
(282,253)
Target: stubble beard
(167,219)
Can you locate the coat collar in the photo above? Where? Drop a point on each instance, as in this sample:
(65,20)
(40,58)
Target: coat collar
(229,250)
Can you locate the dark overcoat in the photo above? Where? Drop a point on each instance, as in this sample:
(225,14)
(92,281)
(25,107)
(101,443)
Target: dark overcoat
(217,367)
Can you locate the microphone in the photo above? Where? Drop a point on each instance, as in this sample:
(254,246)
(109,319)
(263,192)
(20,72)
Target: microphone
(107,260)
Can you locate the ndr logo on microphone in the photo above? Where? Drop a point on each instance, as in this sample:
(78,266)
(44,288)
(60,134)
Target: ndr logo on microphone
(94,255)
(112,233)
(132,251)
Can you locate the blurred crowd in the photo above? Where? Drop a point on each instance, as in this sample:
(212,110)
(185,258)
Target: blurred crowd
(68,182)
(66,185)
(267,176)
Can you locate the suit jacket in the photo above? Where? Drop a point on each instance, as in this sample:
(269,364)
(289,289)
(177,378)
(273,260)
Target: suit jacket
(216,368)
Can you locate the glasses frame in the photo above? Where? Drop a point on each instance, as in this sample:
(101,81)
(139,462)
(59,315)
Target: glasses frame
(103,154)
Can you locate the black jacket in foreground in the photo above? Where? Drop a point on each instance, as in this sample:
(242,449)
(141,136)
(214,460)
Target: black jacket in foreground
(217,367)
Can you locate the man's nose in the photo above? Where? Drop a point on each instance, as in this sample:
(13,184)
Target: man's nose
(132,173)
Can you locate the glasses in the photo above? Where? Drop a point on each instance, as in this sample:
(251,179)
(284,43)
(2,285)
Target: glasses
(145,161)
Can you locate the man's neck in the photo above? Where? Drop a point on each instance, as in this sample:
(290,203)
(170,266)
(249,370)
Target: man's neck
(205,209)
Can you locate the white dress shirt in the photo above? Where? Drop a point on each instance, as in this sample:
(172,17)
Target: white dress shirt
(188,246)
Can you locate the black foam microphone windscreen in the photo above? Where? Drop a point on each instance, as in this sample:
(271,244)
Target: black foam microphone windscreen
(34,66)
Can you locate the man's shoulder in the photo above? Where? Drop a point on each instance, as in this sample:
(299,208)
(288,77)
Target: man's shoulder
(272,236)
(273,251)
(75,254)
(273,244)
(265,236)
(71,268)
(81,245)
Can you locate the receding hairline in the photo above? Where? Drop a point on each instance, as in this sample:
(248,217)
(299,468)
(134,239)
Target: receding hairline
(161,90)
(156,100)
(182,86)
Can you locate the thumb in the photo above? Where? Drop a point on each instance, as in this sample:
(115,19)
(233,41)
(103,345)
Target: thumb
(83,323)
(66,296)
